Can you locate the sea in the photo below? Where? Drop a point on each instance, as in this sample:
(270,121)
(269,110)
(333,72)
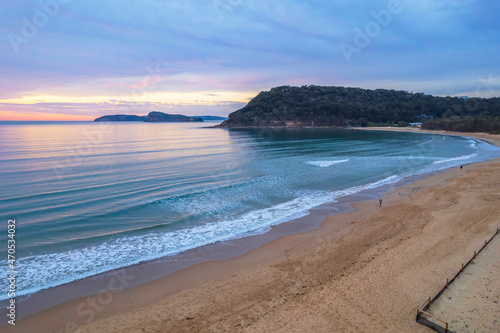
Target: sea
(89,197)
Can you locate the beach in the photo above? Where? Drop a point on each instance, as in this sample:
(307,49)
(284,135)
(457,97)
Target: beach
(363,271)
(492,138)
(470,303)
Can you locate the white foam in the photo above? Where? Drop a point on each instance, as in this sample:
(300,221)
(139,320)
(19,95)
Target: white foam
(385,181)
(464,157)
(48,270)
(324,164)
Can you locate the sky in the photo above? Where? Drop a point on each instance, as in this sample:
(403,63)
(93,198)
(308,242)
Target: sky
(77,60)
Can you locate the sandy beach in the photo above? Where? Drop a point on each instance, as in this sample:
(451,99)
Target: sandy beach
(470,304)
(494,139)
(363,271)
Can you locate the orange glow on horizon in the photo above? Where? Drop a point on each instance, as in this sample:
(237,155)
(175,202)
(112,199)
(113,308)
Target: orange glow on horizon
(191,98)
(161,99)
(20,116)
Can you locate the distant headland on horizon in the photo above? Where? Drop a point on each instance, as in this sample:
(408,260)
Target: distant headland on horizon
(158,117)
(337,106)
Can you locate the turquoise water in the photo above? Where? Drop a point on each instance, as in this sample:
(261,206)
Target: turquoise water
(91,197)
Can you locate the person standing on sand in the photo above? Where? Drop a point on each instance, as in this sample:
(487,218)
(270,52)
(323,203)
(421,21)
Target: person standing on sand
(380,202)
(461,167)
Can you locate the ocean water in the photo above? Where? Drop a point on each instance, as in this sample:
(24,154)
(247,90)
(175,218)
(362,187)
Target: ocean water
(91,197)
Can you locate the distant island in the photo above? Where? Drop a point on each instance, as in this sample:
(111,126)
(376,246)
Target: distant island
(321,106)
(158,117)
(121,117)
(212,118)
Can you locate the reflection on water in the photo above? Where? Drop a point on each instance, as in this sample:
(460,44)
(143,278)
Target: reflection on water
(128,192)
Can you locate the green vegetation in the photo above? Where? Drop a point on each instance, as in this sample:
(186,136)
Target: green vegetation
(160,117)
(152,117)
(344,107)
(465,124)
(121,117)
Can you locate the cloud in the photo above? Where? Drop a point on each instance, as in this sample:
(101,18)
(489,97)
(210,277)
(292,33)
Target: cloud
(93,110)
(109,48)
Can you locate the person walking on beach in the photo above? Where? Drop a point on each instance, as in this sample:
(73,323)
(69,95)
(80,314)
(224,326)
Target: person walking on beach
(380,202)
(461,167)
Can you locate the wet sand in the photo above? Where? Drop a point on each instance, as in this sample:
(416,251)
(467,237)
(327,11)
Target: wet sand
(364,271)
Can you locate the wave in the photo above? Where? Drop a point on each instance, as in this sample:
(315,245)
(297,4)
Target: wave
(43,271)
(464,157)
(385,181)
(472,142)
(49,270)
(324,164)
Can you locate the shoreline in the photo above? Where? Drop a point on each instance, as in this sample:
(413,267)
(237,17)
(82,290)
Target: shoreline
(491,138)
(230,249)
(164,266)
(150,270)
(187,277)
